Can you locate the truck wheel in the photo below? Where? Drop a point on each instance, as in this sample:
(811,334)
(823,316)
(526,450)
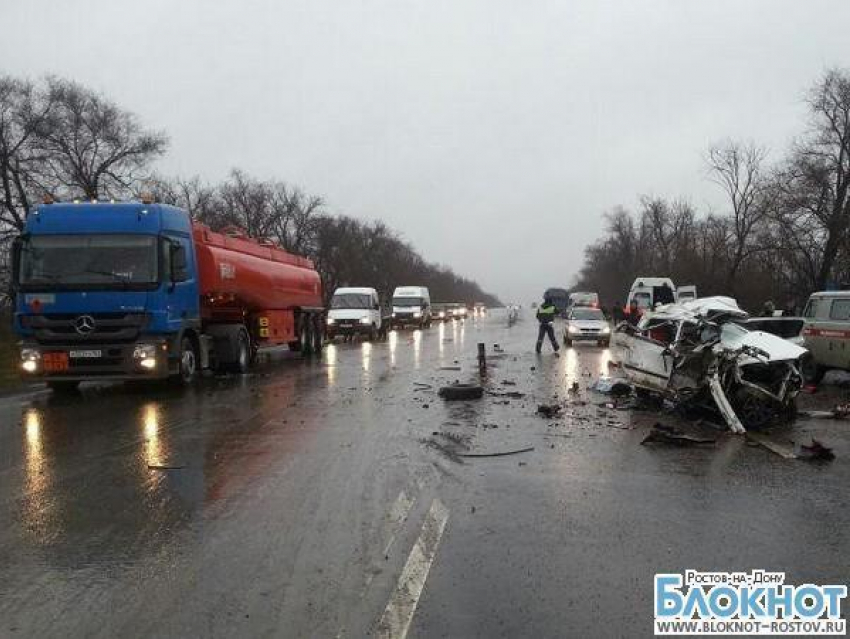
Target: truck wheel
(243,352)
(305,337)
(811,371)
(188,370)
(63,387)
(318,340)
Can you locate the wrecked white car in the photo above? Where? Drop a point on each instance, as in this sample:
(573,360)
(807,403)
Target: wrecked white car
(693,353)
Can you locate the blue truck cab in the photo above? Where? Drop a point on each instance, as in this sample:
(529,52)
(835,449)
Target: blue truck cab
(107,291)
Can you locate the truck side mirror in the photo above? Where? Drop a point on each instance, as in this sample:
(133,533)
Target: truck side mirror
(17,252)
(178,263)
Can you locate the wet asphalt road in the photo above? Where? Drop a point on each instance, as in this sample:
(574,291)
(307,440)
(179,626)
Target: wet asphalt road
(311,498)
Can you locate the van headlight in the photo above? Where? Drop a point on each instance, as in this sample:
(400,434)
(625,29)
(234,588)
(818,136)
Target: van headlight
(331,321)
(417,314)
(30,359)
(365,320)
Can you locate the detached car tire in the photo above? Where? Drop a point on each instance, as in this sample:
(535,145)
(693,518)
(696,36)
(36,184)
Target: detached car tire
(461,392)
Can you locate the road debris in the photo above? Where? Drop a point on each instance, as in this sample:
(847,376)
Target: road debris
(815,452)
(504,453)
(841,411)
(616,386)
(664,434)
(456,392)
(549,410)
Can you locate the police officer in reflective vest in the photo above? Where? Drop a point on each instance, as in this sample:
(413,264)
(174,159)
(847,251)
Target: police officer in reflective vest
(546,315)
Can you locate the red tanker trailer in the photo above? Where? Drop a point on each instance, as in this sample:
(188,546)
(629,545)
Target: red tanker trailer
(245,283)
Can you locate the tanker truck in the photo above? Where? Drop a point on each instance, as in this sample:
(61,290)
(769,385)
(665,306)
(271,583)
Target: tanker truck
(137,290)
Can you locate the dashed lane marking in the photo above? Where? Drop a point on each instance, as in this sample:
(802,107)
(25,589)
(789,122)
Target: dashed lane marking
(395,622)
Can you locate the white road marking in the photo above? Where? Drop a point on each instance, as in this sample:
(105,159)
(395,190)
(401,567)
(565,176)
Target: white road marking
(395,622)
(398,515)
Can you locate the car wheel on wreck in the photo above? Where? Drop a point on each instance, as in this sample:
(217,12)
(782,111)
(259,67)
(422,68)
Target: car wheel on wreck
(756,411)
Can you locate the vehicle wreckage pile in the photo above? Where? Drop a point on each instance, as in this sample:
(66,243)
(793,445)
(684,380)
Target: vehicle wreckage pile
(697,354)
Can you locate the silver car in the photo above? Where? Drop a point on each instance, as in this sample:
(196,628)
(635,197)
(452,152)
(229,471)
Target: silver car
(587,324)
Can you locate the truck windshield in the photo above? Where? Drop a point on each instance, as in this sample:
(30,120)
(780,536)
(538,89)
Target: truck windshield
(351,301)
(99,261)
(408,301)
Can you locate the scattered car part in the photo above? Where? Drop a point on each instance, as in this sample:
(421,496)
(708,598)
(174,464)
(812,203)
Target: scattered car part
(457,392)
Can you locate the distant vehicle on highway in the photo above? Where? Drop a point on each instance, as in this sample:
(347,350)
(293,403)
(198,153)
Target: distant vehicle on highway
(411,307)
(826,332)
(355,311)
(479,310)
(583,298)
(560,298)
(440,312)
(587,324)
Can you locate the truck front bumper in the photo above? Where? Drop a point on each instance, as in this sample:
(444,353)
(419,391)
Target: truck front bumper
(143,359)
(348,328)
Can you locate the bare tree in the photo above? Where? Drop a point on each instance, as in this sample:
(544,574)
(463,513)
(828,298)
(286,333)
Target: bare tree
(738,169)
(90,146)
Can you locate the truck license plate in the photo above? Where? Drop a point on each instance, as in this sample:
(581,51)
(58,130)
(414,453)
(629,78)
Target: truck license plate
(84,354)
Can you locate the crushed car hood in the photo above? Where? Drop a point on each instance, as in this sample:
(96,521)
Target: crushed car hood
(775,348)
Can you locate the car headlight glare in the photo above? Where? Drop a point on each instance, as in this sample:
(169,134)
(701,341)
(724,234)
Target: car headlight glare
(573,329)
(365,320)
(605,329)
(331,321)
(417,314)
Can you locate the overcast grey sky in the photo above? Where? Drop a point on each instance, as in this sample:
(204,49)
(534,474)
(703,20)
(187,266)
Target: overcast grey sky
(492,134)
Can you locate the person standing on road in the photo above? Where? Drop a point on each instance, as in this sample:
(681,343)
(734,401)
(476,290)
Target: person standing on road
(546,315)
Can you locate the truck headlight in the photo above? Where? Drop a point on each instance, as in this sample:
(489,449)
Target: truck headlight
(331,321)
(417,314)
(30,359)
(365,320)
(145,355)
(393,314)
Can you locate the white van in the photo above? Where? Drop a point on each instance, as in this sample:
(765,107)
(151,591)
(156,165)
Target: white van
(826,331)
(649,291)
(411,306)
(354,310)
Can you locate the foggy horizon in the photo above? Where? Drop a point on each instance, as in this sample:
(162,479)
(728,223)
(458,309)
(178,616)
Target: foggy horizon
(492,137)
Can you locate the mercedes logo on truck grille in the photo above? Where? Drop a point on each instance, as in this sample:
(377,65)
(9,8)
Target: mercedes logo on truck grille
(84,324)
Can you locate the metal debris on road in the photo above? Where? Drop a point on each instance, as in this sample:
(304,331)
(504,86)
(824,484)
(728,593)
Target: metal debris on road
(664,434)
(549,410)
(461,392)
(499,454)
(815,452)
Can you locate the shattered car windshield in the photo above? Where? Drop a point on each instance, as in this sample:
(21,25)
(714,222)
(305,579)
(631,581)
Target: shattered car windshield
(351,301)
